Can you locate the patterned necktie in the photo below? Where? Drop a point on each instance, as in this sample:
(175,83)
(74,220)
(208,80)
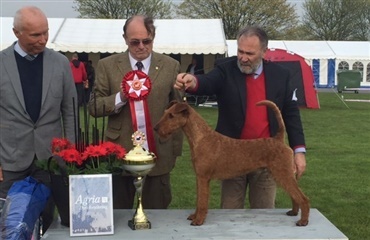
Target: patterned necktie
(29,57)
(139,66)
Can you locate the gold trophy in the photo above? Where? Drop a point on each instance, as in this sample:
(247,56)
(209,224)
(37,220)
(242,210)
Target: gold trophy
(139,162)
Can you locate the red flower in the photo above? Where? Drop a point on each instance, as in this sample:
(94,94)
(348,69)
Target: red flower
(59,144)
(71,156)
(92,159)
(114,149)
(95,151)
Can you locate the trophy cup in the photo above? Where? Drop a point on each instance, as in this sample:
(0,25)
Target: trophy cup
(139,162)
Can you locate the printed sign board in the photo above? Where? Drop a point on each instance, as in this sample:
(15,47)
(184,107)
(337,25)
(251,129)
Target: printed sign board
(91,204)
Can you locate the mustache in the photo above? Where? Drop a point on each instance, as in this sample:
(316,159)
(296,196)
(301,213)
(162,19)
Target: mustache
(245,64)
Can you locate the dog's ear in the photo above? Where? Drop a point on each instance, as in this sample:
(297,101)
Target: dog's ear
(182,107)
(173,102)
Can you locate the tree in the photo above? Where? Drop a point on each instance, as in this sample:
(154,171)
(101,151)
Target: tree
(277,17)
(362,23)
(337,20)
(123,9)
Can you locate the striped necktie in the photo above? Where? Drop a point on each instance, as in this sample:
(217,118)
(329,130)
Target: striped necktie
(139,66)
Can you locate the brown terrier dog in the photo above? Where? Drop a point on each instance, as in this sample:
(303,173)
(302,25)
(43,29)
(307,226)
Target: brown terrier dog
(216,156)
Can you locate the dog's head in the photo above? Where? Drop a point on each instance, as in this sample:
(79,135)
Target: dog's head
(174,117)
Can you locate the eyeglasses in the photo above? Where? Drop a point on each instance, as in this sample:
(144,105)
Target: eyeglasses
(136,42)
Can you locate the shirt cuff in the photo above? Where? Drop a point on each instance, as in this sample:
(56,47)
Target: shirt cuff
(118,104)
(300,150)
(195,88)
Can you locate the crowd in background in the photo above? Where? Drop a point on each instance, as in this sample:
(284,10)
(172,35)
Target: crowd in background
(84,77)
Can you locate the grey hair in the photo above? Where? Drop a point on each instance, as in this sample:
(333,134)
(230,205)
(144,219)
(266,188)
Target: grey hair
(249,31)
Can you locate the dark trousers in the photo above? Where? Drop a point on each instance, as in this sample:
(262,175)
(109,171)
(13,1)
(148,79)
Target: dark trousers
(80,93)
(87,92)
(156,192)
(38,174)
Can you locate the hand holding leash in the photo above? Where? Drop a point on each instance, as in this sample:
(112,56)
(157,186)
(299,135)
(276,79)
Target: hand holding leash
(185,81)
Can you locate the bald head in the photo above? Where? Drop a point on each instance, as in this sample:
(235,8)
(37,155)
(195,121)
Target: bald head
(31,28)
(140,20)
(139,33)
(27,14)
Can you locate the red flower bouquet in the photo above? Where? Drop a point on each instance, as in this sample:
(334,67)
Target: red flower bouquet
(93,159)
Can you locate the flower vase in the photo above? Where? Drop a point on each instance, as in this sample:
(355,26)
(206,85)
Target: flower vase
(60,189)
(60,192)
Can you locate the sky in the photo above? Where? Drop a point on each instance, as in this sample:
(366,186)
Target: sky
(64,8)
(51,8)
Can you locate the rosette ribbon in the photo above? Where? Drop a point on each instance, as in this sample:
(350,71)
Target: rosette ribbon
(136,86)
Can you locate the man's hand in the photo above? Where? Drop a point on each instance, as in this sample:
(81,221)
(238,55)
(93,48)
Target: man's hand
(86,84)
(123,96)
(299,164)
(185,81)
(1,174)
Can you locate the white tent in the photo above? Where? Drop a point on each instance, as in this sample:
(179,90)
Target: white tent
(174,36)
(94,36)
(325,57)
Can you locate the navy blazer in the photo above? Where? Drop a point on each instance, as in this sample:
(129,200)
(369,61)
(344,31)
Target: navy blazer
(228,83)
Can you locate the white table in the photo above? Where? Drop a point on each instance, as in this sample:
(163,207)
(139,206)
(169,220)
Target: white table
(221,224)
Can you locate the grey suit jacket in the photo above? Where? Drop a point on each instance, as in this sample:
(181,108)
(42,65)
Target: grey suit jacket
(20,138)
(163,72)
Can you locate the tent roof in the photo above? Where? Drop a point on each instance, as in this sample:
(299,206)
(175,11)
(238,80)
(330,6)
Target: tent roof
(176,36)
(344,50)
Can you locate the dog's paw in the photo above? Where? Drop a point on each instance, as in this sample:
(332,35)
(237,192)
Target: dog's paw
(197,222)
(302,223)
(292,213)
(191,216)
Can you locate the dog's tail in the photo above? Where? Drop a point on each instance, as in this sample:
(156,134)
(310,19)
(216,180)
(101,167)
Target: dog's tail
(281,130)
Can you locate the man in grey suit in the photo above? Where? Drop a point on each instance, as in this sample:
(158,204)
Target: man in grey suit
(139,33)
(36,102)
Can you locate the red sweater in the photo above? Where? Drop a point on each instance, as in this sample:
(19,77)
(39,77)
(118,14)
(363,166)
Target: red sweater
(79,73)
(256,120)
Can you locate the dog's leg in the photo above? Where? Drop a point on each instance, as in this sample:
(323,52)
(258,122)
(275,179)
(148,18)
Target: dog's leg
(192,216)
(201,211)
(300,199)
(295,209)
(288,182)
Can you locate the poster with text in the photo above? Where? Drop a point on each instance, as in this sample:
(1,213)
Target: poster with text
(91,204)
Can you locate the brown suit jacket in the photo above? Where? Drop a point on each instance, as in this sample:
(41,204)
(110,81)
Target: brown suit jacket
(109,74)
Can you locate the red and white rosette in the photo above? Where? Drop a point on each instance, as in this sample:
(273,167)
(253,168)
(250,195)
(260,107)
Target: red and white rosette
(136,86)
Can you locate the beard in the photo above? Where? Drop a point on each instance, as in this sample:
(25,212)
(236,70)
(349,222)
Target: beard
(248,68)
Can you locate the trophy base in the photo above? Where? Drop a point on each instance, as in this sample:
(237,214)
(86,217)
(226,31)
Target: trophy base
(139,226)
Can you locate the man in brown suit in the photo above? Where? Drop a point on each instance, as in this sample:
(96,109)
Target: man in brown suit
(139,33)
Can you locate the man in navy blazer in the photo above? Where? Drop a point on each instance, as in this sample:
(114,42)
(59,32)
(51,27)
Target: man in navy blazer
(239,83)
(36,102)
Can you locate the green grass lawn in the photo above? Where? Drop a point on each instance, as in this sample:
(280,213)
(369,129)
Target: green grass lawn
(337,178)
